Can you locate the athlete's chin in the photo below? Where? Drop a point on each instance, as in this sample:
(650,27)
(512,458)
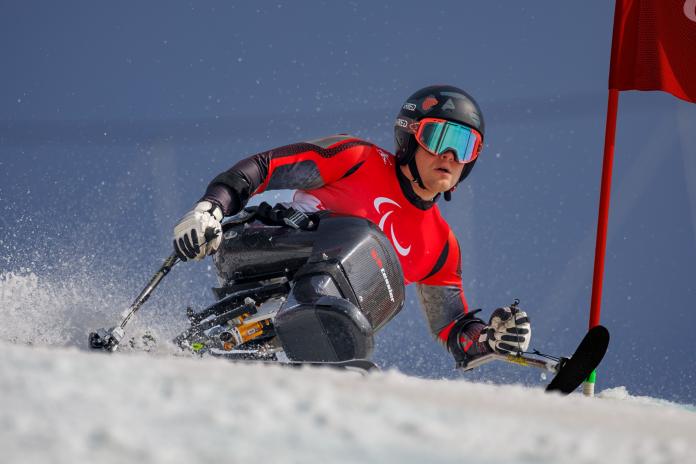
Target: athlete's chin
(440,186)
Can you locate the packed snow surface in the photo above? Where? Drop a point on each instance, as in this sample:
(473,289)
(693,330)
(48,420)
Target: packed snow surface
(60,404)
(63,405)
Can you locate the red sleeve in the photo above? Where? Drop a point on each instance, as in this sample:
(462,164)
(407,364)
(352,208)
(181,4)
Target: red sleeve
(448,269)
(307,165)
(441,292)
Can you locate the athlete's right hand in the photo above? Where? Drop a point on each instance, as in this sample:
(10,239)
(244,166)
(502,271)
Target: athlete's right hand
(199,232)
(509,330)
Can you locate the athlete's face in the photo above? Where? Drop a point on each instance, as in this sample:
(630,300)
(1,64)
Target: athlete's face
(439,173)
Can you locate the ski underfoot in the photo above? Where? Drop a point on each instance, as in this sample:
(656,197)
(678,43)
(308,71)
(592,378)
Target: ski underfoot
(352,364)
(363,366)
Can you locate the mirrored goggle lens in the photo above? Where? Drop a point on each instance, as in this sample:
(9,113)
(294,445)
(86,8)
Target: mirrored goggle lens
(441,136)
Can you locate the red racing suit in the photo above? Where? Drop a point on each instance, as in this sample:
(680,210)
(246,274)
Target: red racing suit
(350,176)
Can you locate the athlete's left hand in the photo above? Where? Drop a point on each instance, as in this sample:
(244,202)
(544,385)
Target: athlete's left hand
(508,332)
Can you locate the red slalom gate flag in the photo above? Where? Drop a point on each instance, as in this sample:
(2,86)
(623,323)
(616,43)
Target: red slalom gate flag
(654,47)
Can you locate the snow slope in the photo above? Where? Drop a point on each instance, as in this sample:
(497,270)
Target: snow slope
(63,405)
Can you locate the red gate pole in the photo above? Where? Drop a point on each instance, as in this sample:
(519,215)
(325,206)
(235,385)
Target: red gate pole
(602,221)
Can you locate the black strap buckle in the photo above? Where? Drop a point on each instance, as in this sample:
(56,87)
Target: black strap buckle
(281,215)
(297,219)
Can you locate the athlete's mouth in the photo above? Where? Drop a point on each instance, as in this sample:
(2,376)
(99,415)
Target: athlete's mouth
(444,170)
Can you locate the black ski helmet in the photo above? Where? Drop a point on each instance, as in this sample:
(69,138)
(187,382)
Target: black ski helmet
(436,101)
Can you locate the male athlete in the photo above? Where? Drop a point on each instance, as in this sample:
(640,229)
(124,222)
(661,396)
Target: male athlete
(439,135)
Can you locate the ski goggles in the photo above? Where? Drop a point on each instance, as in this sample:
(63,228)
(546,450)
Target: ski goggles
(438,136)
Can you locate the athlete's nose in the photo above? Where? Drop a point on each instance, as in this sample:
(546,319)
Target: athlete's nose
(448,155)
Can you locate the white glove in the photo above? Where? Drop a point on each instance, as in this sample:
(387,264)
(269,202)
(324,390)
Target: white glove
(199,232)
(508,331)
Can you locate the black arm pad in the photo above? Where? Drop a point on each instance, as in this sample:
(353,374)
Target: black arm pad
(461,324)
(224,197)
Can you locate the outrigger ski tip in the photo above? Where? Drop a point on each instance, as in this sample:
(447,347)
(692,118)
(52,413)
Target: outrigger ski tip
(569,372)
(572,372)
(106,339)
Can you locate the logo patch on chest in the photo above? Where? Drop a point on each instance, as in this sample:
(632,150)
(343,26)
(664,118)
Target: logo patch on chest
(379,201)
